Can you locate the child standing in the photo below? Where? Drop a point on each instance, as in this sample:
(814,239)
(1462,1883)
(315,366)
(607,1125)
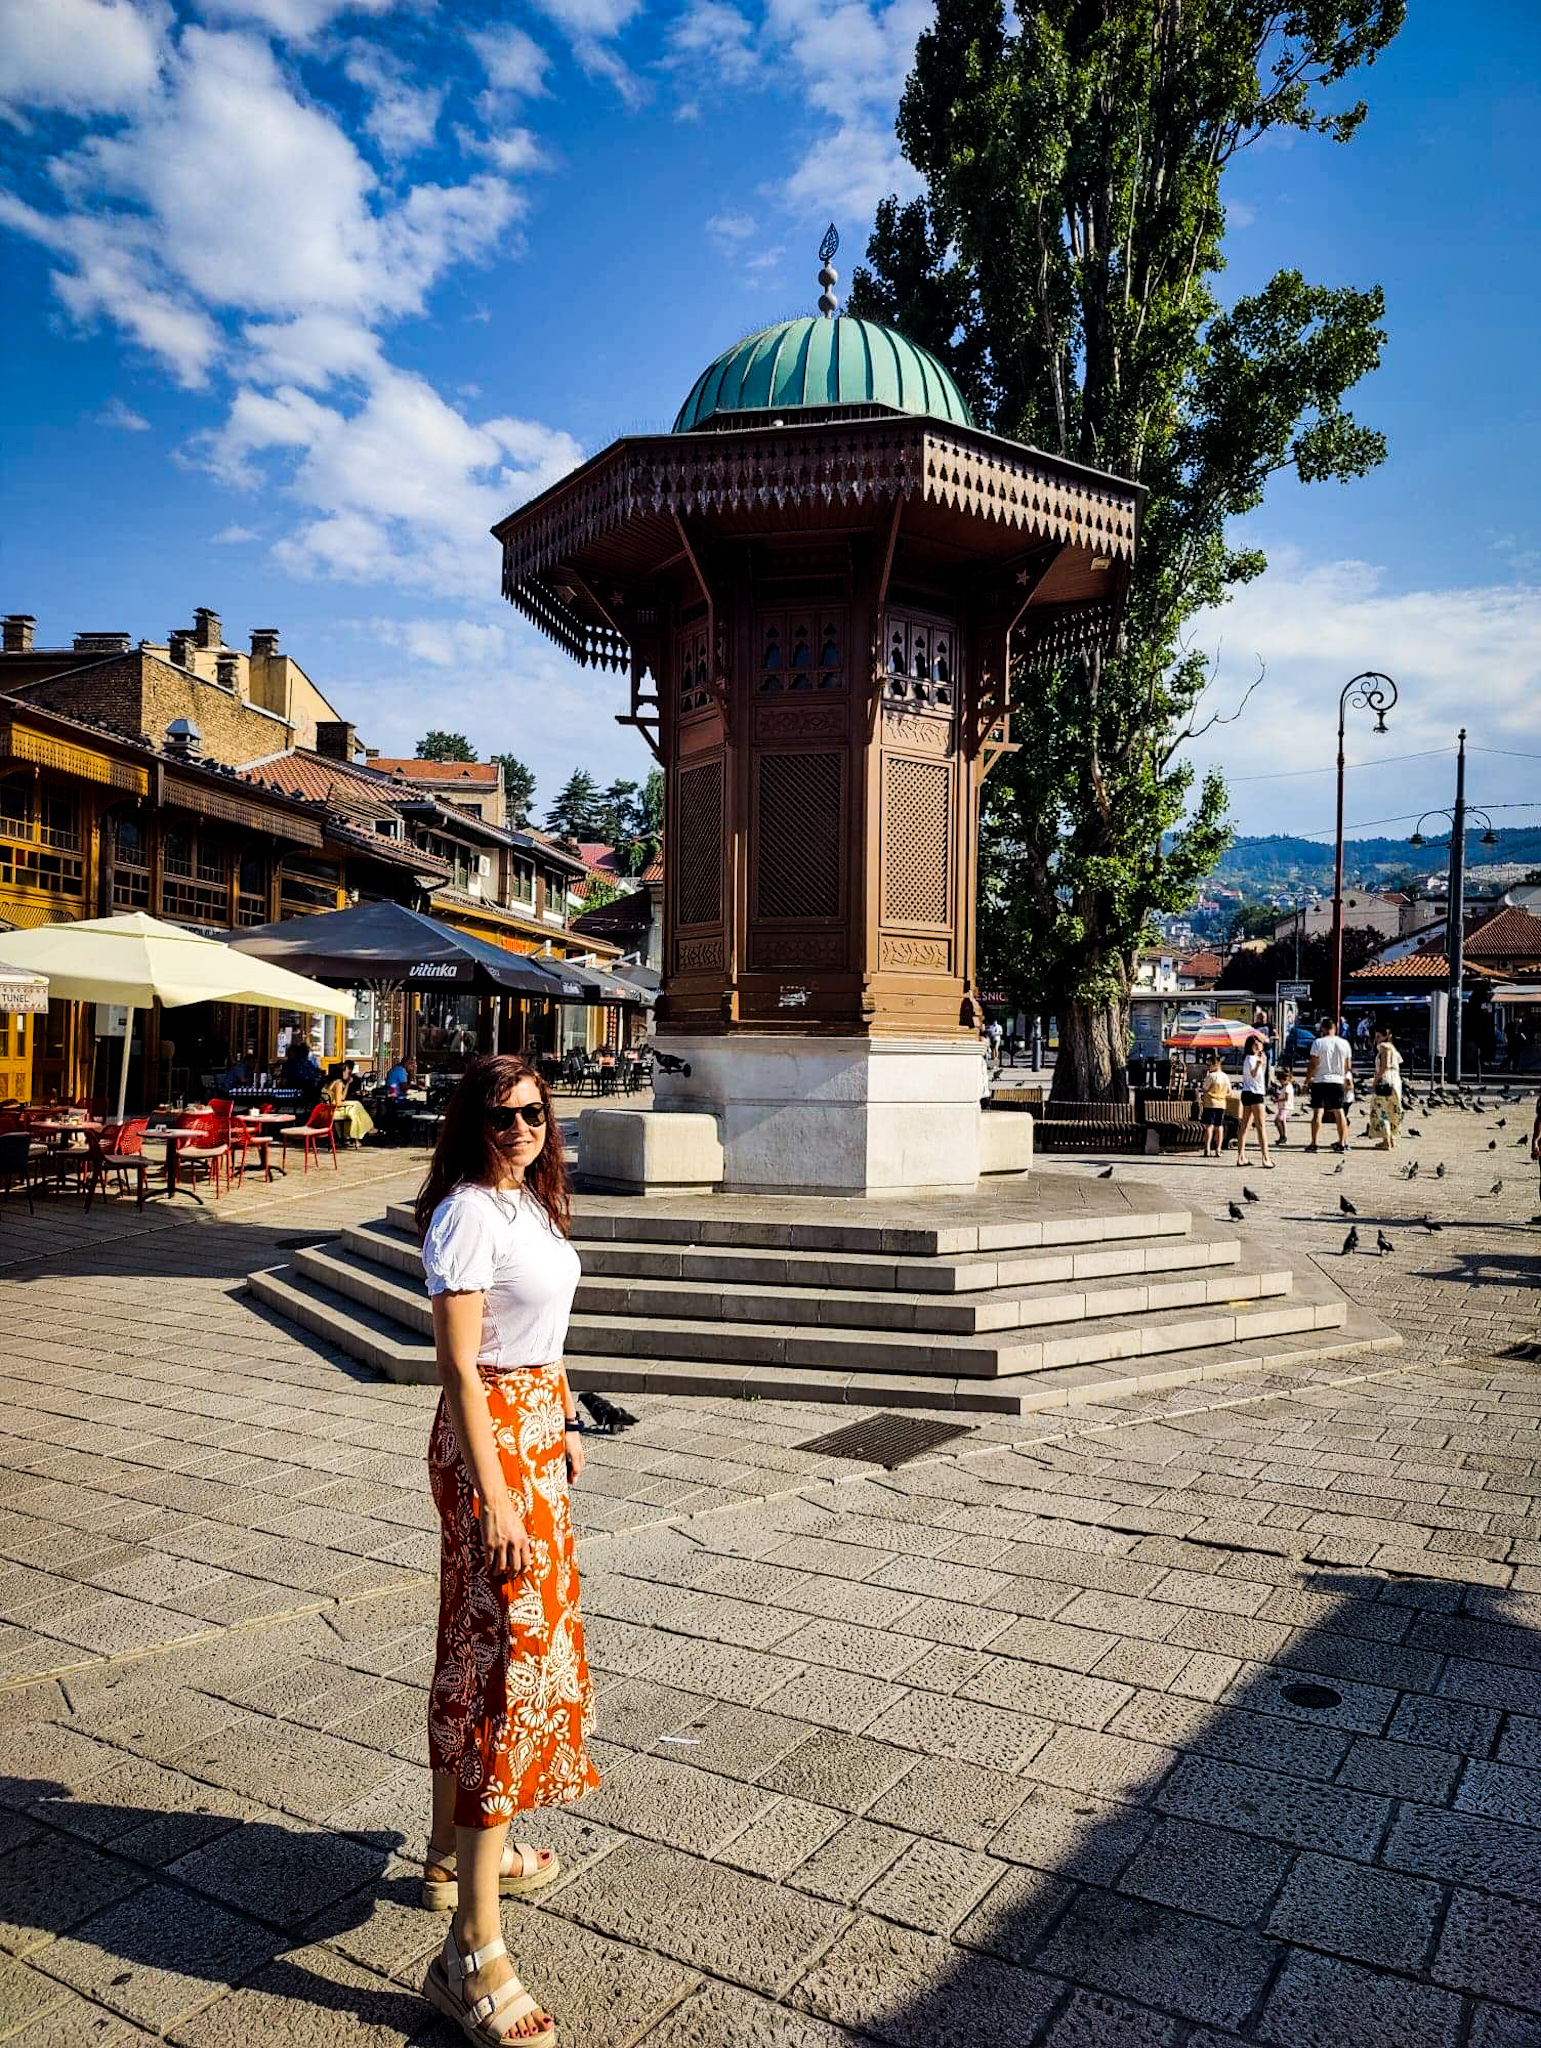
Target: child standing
(1214,1094)
(1283,1105)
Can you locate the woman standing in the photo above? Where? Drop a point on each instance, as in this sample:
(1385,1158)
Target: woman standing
(1386,1101)
(511,1703)
(1254,1092)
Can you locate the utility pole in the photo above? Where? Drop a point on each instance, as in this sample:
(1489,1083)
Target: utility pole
(1455,907)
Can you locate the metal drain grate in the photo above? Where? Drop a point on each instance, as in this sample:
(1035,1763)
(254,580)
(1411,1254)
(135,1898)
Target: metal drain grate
(1320,1696)
(886,1440)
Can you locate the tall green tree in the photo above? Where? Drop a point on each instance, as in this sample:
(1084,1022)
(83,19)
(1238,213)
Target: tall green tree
(518,789)
(445,746)
(1064,262)
(575,812)
(640,844)
(616,812)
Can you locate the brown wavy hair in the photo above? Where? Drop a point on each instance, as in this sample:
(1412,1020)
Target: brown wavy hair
(466,1152)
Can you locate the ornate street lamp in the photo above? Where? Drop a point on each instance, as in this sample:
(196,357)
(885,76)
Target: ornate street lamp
(1374,692)
(1455,907)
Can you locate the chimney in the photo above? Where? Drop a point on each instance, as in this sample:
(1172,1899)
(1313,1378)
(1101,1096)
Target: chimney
(336,739)
(264,643)
(227,673)
(206,631)
(184,739)
(101,643)
(176,647)
(18,632)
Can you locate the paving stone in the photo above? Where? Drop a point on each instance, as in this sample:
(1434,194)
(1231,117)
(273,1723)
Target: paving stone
(44,1757)
(1048,1692)
(299,1770)
(1092,2021)
(1351,1911)
(1319,2002)
(741,1928)
(25,1995)
(159,1955)
(670,1801)
(1283,1809)
(1401,1770)
(635,1712)
(835,1699)
(849,1861)
(954,1801)
(1491,1685)
(721,1670)
(717,2016)
(1132,1661)
(1077,1835)
(1013,1917)
(278,1870)
(945,1668)
(932,1886)
(1490,1946)
(1103,1764)
(936,1725)
(1520,1742)
(1236,1735)
(1206,1870)
(1466,1849)
(832,1769)
(1446,1724)
(1187,1966)
(1051,1642)
(1496,2026)
(736,1742)
(309,1996)
(911,1990)
(873,1652)
(600,1992)
(49,1883)
(1501,1791)
(1393,1665)
(1267,1689)
(783,1835)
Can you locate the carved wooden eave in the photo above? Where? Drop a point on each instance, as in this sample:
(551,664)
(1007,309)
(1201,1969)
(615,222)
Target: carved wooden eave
(615,511)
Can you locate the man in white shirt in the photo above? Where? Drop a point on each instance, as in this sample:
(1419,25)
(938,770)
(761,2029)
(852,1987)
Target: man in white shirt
(1327,1071)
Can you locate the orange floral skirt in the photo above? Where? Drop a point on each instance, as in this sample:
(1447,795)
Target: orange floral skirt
(511,1702)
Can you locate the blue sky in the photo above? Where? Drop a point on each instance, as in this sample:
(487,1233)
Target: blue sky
(304,294)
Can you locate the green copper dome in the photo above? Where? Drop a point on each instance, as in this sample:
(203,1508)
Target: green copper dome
(803,364)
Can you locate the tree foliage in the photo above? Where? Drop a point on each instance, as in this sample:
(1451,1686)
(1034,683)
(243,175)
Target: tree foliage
(1064,263)
(445,746)
(574,813)
(518,789)
(1262,971)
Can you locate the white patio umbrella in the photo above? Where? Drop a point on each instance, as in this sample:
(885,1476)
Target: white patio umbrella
(136,960)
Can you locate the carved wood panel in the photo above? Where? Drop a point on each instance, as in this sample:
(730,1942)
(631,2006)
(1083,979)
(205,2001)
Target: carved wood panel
(917,841)
(691,955)
(799,834)
(931,956)
(697,850)
(798,949)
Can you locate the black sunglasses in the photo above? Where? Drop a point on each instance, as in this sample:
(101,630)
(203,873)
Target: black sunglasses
(504,1116)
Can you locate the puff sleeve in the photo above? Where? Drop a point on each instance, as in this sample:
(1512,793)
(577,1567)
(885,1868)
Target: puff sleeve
(460,1252)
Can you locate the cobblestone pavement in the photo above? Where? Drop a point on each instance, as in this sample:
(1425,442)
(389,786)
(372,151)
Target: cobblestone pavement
(1197,1718)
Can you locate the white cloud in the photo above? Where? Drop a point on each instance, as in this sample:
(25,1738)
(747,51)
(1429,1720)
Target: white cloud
(852,59)
(122,417)
(712,40)
(515,151)
(1464,656)
(512,59)
(402,116)
(846,173)
(591,28)
(446,643)
(232,536)
(84,56)
(294,20)
(400,486)
(731,228)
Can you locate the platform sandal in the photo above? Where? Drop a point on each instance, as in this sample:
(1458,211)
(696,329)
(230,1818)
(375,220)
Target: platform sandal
(492,2017)
(520,1871)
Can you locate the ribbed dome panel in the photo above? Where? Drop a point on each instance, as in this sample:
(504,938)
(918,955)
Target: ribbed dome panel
(801,364)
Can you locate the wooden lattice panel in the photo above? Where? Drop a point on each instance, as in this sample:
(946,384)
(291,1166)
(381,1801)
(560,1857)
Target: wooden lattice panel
(917,841)
(798,815)
(697,851)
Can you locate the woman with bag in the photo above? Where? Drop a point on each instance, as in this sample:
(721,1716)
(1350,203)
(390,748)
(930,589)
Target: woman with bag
(1386,1100)
(511,1704)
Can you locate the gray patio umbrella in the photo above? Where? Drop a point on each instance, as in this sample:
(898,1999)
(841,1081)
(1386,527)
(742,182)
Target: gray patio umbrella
(375,943)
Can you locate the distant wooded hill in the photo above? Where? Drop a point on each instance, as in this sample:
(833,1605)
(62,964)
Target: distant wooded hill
(1261,864)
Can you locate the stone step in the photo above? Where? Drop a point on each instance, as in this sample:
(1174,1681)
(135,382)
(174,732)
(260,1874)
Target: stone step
(898,1229)
(984,1336)
(384,1347)
(954,1273)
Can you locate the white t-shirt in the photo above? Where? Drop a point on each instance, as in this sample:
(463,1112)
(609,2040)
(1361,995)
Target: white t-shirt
(1254,1069)
(1331,1056)
(499,1243)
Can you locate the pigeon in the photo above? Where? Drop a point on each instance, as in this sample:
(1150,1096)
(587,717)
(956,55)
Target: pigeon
(1492,1144)
(1429,1223)
(1351,1242)
(1106,1173)
(1412,1133)
(1500,1123)
(1497,1188)
(1383,1243)
(1347,1206)
(1249,1195)
(1412,1171)
(671,1063)
(1238,1214)
(608,1418)
(1439,1171)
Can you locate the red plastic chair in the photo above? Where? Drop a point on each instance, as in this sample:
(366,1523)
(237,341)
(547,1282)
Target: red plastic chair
(210,1152)
(308,1135)
(118,1149)
(244,1139)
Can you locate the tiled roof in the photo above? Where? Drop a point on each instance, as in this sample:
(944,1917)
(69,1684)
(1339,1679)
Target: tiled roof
(1431,967)
(1512,935)
(486,773)
(653,872)
(304,774)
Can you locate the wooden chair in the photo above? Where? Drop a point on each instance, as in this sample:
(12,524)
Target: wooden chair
(308,1136)
(118,1149)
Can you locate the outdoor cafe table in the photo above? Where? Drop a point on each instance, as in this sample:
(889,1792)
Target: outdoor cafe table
(174,1138)
(267,1123)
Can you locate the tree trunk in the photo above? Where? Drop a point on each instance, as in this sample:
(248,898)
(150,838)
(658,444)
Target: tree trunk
(1091,1063)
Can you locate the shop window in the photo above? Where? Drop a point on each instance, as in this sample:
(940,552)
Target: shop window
(177,851)
(130,865)
(251,905)
(58,818)
(16,806)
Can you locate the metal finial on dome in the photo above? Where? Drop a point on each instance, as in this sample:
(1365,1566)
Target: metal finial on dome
(829,277)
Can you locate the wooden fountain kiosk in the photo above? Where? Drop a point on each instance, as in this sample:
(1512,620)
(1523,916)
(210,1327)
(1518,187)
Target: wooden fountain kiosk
(816,582)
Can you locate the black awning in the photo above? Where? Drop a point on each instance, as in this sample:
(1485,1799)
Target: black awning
(385,942)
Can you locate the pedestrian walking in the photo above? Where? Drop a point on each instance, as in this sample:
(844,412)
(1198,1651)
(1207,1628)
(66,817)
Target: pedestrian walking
(1254,1094)
(1214,1094)
(1535,1142)
(1328,1074)
(511,1704)
(1386,1099)
(1283,1105)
